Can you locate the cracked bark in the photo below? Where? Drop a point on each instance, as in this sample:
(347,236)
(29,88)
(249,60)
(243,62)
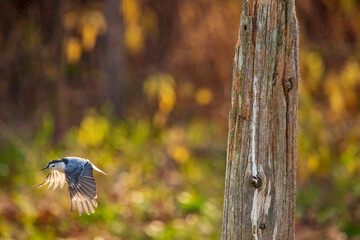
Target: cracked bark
(260,182)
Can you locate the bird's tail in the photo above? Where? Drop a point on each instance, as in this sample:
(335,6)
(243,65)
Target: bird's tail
(97,169)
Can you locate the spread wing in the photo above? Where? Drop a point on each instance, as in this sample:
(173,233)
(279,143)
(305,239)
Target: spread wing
(82,188)
(54,178)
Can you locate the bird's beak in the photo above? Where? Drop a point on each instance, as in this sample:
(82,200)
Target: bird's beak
(44,168)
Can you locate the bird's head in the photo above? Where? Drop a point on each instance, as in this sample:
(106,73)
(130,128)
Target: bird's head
(56,165)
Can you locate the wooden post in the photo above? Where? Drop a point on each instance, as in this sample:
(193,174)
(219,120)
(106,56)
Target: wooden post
(260,180)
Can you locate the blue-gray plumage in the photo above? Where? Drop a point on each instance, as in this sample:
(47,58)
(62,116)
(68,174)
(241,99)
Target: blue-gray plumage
(78,173)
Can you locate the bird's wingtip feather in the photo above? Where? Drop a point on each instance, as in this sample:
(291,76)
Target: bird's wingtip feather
(38,185)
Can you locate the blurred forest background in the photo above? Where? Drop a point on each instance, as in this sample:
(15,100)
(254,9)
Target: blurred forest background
(142,89)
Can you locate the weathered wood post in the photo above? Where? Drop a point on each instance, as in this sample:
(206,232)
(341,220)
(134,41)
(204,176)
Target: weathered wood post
(262,142)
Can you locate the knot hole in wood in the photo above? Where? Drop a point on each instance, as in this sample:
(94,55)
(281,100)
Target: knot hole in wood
(255,181)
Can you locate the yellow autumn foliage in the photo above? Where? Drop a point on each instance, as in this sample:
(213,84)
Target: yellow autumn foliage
(92,131)
(204,96)
(73,50)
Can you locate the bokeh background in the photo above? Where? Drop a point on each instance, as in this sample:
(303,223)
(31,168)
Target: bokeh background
(142,88)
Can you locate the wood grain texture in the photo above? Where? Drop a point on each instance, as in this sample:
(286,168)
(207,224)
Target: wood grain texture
(262,137)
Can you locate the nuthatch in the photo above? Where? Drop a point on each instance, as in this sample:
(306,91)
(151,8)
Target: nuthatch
(78,173)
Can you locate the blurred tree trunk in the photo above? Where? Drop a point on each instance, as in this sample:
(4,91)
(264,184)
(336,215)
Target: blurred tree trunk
(57,9)
(115,73)
(262,142)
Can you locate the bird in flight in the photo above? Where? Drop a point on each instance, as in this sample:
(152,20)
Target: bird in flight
(78,173)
